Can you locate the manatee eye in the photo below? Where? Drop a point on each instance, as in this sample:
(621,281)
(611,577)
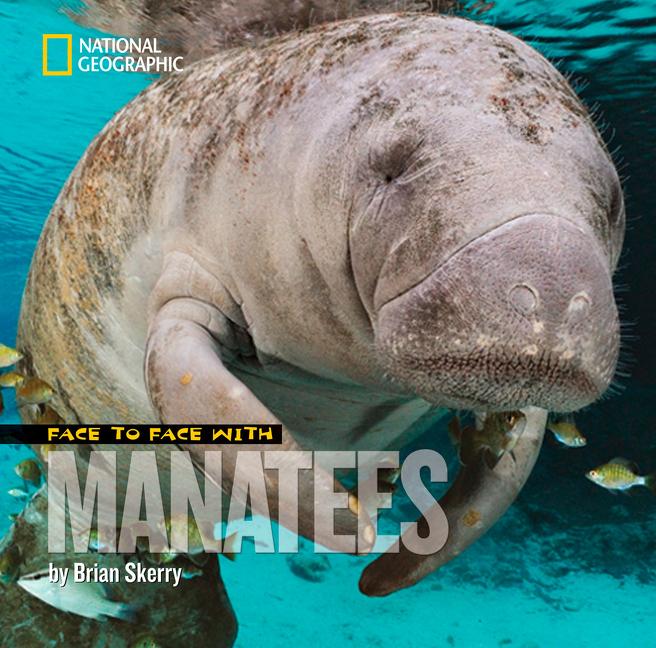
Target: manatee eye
(395,157)
(511,418)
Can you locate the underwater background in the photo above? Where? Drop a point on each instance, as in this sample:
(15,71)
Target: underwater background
(570,564)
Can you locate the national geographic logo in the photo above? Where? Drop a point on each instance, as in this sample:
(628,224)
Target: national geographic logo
(65,43)
(105,55)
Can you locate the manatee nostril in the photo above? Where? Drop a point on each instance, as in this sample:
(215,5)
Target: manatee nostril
(524,298)
(579,305)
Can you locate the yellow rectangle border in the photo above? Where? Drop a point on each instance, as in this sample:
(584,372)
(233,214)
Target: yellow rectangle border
(69,68)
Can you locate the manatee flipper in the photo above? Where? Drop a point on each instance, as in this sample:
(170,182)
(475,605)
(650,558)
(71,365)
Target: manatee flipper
(478,497)
(168,615)
(188,382)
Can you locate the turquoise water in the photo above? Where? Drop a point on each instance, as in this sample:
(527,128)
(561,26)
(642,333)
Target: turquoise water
(570,564)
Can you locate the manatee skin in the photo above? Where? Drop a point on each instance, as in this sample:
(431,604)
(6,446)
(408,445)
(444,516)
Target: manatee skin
(346,230)
(195,29)
(301,189)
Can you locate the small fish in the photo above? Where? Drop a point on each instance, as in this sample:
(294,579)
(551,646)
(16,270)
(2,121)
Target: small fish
(29,470)
(194,536)
(48,417)
(95,544)
(621,474)
(195,545)
(499,435)
(85,599)
(388,475)
(8,356)
(567,433)
(11,379)
(146,641)
(34,391)
(18,493)
(372,508)
(10,561)
(45,449)
(156,559)
(191,571)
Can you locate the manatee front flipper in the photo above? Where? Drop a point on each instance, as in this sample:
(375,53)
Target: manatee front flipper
(188,383)
(166,615)
(478,497)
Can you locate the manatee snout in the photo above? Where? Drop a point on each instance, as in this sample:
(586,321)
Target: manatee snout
(521,315)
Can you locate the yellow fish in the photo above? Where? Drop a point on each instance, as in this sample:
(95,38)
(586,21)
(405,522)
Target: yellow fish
(386,485)
(34,391)
(45,449)
(11,379)
(500,433)
(9,356)
(29,471)
(194,535)
(195,547)
(145,641)
(567,433)
(49,417)
(164,558)
(621,474)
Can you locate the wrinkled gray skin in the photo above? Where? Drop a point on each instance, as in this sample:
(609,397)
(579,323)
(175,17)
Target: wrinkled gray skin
(199,28)
(346,230)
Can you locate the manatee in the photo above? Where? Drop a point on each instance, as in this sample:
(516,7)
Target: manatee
(198,28)
(349,230)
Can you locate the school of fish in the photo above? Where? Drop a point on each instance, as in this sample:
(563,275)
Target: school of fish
(491,438)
